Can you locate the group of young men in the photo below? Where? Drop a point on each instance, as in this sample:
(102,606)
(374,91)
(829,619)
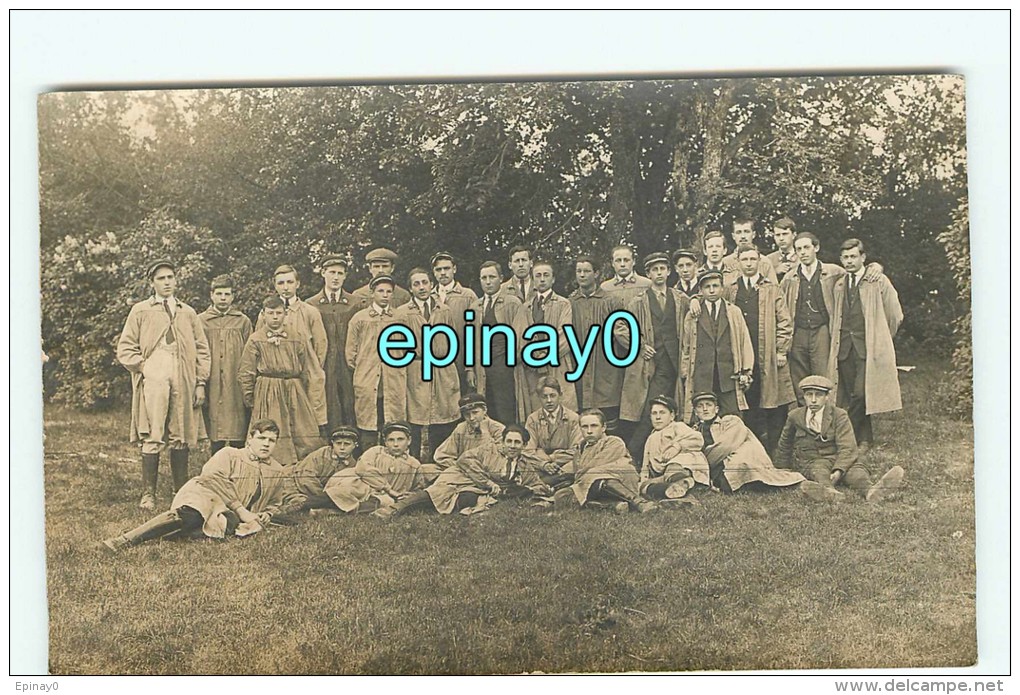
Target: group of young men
(721,349)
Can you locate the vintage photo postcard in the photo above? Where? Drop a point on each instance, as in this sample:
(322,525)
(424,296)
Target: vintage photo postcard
(508,377)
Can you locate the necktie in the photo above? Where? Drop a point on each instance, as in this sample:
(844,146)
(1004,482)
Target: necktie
(661,299)
(332,298)
(428,311)
(538,311)
(286,303)
(524,295)
(488,304)
(170,315)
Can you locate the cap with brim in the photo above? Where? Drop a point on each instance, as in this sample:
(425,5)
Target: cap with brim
(381,279)
(704,396)
(664,401)
(329,261)
(709,275)
(163,263)
(816,383)
(471,400)
(343,432)
(685,253)
(398,426)
(441,256)
(657,257)
(381,255)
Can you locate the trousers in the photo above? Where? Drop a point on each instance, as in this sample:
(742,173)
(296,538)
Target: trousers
(161,388)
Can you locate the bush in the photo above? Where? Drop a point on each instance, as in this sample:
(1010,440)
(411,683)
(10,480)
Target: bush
(960,388)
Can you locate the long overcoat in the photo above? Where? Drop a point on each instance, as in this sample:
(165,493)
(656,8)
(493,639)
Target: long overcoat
(553,439)
(740,346)
(775,336)
(432,402)
(304,320)
(743,457)
(506,307)
(362,354)
(606,459)
(557,314)
(145,328)
(376,474)
(477,470)
(882,318)
(676,444)
(638,375)
(226,416)
(336,318)
(601,382)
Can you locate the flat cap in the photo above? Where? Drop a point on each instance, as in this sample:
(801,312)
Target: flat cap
(441,256)
(709,275)
(334,259)
(686,253)
(381,280)
(815,383)
(665,401)
(343,432)
(704,396)
(655,257)
(471,400)
(156,265)
(396,426)
(381,254)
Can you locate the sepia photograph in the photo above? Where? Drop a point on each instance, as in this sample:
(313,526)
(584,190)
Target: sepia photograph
(508,376)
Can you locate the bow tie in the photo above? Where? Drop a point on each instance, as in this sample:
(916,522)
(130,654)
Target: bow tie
(384,312)
(276,334)
(629,280)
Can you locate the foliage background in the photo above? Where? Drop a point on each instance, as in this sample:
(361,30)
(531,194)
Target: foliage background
(246,179)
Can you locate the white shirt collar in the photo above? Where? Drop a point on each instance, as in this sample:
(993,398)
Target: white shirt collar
(816,419)
(809,271)
(755,279)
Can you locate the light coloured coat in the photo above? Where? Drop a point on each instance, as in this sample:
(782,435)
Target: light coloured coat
(305,320)
(362,354)
(507,308)
(557,314)
(434,401)
(675,445)
(775,337)
(743,457)
(226,416)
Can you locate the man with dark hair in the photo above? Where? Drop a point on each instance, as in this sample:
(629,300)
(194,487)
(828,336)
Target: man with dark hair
(381,262)
(164,346)
(227,330)
(685,262)
(455,296)
(784,258)
(237,493)
(771,333)
(476,429)
(336,307)
(431,404)
(626,283)
(544,306)
(555,434)
(497,382)
(380,391)
(275,371)
(590,305)
(659,312)
(744,235)
(520,282)
(862,359)
(480,477)
(717,354)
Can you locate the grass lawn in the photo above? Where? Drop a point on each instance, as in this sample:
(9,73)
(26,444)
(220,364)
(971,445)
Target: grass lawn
(749,581)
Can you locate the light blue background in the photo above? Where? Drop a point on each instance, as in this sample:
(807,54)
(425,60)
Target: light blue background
(51,50)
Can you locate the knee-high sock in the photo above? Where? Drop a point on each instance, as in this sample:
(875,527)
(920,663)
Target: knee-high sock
(179,467)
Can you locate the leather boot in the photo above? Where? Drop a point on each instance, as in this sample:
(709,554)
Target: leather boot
(179,467)
(156,527)
(617,490)
(150,475)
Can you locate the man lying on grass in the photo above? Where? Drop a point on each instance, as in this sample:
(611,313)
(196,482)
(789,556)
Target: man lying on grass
(604,473)
(818,440)
(478,479)
(307,479)
(237,493)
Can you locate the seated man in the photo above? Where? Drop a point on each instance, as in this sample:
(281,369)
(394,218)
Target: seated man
(673,460)
(604,475)
(307,479)
(476,429)
(383,475)
(818,440)
(735,456)
(480,477)
(237,493)
(555,435)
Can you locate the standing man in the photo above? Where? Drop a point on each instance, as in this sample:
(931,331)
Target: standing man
(380,391)
(430,404)
(336,308)
(381,262)
(457,297)
(715,249)
(590,305)
(302,320)
(717,354)
(771,333)
(519,283)
(227,330)
(744,235)
(659,312)
(808,293)
(625,284)
(862,359)
(784,258)
(164,347)
(685,261)
(544,306)
(497,382)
